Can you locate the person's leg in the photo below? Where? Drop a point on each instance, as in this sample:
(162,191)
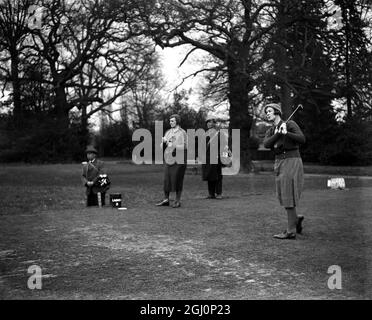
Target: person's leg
(179,175)
(167,183)
(292,219)
(103,198)
(92,199)
(284,191)
(166,188)
(165,201)
(211,188)
(178,195)
(219,186)
(299,227)
(88,198)
(290,233)
(177,202)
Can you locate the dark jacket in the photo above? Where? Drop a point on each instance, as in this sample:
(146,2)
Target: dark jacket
(280,142)
(91,172)
(212,171)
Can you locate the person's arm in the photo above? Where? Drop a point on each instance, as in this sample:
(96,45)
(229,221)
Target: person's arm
(294,132)
(181,139)
(84,179)
(271,138)
(223,142)
(100,169)
(164,140)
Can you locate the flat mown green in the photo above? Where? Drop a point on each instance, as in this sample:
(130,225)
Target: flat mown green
(207,249)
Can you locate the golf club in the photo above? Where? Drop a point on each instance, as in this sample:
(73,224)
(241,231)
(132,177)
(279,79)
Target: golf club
(298,107)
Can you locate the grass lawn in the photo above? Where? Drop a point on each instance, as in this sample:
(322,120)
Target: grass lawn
(207,249)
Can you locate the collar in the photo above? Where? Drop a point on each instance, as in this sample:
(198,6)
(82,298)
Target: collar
(176,129)
(212,130)
(279,123)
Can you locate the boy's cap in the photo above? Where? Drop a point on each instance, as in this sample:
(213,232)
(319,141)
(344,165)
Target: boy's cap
(91,149)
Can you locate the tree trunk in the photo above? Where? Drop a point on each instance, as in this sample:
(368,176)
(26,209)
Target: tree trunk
(61,106)
(240,118)
(84,127)
(18,108)
(347,65)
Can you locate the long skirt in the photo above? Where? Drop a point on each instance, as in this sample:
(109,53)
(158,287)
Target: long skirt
(289,181)
(173,177)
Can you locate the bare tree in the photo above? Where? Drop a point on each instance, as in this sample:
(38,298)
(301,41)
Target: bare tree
(15,17)
(92,52)
(353,55)
(144,96)
(233,32)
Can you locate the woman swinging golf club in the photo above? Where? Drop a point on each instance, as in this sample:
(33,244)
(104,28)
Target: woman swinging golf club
(284,137)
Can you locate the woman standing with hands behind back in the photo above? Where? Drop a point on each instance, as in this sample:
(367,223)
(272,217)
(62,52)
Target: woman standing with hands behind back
(284,138)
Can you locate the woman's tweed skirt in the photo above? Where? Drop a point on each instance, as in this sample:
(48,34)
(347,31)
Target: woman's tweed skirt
(289,181)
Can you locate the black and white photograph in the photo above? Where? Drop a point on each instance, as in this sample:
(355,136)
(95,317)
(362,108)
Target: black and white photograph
(203,152)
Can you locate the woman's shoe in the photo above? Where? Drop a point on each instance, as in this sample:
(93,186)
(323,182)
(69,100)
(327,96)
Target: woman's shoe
(210,197)
(299,224)
(176,204)
(164,202)
(285,235)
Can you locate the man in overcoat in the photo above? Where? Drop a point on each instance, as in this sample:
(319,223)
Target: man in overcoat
(212,168)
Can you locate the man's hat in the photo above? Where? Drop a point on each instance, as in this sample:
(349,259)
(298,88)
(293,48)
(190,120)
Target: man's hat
(210,118)
(275,106)
(91,149)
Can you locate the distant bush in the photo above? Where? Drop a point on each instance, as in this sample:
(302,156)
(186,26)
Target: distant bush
(43,141)
(350,143)
(253,142)
(116,140)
